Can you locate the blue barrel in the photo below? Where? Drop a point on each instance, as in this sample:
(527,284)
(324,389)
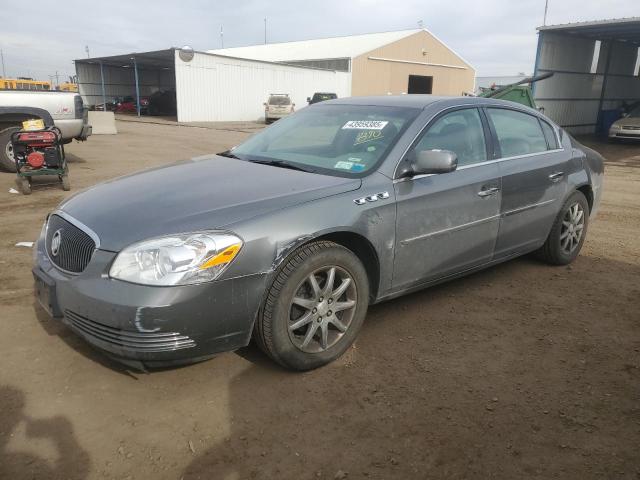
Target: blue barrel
(606,119)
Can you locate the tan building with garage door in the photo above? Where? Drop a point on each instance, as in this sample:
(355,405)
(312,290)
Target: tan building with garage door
(407,61)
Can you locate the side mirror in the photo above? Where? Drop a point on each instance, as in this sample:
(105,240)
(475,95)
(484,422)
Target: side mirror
(308,99)
(265,104)
(625,114)
(434,161)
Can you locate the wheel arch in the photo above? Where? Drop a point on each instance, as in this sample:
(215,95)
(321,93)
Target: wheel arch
(353,241)
(13,116)
(587,191)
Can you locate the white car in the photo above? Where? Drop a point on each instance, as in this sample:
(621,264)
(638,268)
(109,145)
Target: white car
(279,105)
(628,127)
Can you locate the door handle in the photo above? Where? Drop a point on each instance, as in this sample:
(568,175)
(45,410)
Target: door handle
(555,176)
(488,192)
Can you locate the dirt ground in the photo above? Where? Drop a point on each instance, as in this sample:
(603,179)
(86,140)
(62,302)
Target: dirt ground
(520,371)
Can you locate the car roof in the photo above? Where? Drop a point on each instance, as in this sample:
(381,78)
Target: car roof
(422,101)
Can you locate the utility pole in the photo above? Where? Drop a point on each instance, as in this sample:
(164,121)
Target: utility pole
(546,7)
(4,74)
(265,30)
(221,37)
(86,49)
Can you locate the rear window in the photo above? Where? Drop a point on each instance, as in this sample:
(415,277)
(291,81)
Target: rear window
(279,100)
(321,97)
(518,133)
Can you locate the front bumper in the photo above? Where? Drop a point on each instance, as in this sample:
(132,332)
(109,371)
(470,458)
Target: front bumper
(625,134)
(147,326)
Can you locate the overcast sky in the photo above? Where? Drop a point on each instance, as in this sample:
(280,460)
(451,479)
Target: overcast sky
(498,37)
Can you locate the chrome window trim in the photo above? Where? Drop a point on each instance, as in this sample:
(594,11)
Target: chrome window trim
(476,105)
(480,164)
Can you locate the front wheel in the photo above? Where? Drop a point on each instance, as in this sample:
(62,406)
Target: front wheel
(315,306)
(7,161)
(568,232)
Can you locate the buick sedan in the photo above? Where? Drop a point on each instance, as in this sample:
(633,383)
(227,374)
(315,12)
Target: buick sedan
(288,237)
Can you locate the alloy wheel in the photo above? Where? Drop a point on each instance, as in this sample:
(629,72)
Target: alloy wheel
(572,228)
(322,309)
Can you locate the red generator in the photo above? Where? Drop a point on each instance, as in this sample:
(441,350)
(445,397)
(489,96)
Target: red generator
(39,152)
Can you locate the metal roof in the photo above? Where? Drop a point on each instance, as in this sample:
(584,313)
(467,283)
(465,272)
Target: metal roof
(619,29)
(158,58)
(319,49)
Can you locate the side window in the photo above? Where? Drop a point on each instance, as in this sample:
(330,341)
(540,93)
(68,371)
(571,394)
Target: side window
(549,134)
(461,132)
(518,133)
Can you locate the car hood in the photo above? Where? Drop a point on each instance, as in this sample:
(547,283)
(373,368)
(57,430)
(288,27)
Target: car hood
(632,121)
(204,193)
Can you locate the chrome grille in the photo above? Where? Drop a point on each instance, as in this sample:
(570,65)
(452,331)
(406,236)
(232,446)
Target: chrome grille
(138,341)
(75,247)
(630,127)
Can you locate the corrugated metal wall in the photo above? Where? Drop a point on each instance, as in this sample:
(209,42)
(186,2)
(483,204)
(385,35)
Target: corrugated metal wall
(120,81)
(572,96)
(215,88)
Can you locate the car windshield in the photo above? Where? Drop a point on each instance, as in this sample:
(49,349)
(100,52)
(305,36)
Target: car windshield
(342,140)
(635,113)
(279,100)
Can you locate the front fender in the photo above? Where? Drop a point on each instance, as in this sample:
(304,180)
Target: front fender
(270,239)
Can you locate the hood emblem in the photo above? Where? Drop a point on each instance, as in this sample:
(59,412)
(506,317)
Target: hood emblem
(55,242)
(371,198)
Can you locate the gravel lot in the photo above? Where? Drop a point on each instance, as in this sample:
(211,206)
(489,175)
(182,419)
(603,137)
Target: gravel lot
(520,371)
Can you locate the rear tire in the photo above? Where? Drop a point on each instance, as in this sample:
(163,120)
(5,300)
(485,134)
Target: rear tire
(312,316)
(568,232)
(7,162)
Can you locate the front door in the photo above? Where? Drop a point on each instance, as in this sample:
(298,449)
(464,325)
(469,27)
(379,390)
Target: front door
(448,223)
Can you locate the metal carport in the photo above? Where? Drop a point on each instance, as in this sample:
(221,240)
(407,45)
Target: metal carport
(134,74)
(595,67)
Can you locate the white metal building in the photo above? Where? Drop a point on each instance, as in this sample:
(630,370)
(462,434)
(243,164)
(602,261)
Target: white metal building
(232,84)
(595,66)
(208,87)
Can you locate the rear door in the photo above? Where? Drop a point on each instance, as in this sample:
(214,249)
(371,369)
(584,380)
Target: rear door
(534,171)
(448,223)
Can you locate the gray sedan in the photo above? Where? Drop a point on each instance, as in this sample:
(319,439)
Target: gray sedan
(288,237)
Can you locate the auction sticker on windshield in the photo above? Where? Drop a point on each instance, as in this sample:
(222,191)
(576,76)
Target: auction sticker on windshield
(365,125)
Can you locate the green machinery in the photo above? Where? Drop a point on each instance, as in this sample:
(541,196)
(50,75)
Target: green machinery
(519,92)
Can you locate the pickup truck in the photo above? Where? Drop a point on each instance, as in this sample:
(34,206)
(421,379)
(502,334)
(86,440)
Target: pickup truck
(65,110)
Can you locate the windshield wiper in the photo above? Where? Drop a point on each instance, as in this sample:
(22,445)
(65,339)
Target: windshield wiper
(228,154)
(283,164)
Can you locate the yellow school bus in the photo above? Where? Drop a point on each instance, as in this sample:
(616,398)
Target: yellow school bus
(24,84)
(68,87)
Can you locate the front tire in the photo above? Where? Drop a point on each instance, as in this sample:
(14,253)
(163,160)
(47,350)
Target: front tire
(568,232)
(7,161)
(314,307)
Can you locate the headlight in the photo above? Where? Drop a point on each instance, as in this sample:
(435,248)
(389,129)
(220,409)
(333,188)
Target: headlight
(177,259)
(616,127)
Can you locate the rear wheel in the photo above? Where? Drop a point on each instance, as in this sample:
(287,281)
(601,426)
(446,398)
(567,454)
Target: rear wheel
(7,161)
(315,307)
(568,232)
